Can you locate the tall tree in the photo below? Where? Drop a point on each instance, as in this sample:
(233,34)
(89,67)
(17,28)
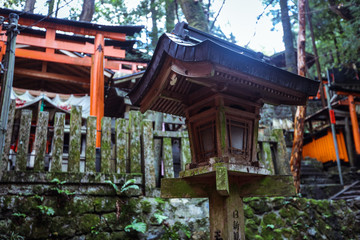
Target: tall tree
(88,9)
(296,153)
(29,6)
(154,19)
(194,14)
(170,11)
(290,57)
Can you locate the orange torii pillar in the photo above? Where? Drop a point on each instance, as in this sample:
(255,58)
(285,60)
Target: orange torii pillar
(354,123)
(97,84)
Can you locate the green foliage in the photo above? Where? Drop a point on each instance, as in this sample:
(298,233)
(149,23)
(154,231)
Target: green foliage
(159,217)
(336,36)
(58,182)
(136,226)
(94,230)
(113,185)
(175,231)
(58,189)
(21,215)
(16,236)
(129,184)
(159,200)
(45,210)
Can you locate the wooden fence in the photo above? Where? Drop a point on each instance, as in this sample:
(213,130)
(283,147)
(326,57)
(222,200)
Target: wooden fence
(127,147)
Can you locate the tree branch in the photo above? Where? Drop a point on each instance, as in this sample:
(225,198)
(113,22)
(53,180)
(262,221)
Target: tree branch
(217,15)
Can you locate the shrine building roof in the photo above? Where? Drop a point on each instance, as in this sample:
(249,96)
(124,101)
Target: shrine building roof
(189,65)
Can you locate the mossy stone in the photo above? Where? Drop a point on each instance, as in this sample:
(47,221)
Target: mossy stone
(259,206)
(105,204)
(289,212)
(86,222)
(251,224)
(62,227)
(272,219)
(248,212)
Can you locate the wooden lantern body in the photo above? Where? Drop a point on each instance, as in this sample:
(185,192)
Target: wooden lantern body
(223,128)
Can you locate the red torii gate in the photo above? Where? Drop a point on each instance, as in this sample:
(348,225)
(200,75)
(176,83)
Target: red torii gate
(51,44)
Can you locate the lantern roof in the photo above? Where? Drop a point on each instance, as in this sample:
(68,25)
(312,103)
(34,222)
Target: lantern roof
(189,65)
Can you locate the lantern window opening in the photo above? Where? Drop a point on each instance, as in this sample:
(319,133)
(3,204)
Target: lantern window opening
(206,135)
(239,137)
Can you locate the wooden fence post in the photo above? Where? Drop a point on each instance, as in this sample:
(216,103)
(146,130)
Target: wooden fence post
(10,124)
(90,151)
(168,158)
(75,139)
(135,145)
(105,144)
(267,159)
(149,159)
(122,145)
(185,150)
(57,143)
(40,140)
(24,134)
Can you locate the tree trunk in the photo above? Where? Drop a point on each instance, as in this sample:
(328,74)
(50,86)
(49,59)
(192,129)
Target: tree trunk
(194,14)
(317,62)
(154,15)
(290,58)
(296,154)
(170,15)
(29,6)
(87,11)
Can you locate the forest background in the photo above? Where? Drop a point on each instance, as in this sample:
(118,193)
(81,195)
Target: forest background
(335,23)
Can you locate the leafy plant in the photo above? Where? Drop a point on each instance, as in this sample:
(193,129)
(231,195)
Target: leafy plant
(160,200)
(94,230)
(22,215)
(59,189)
(49,211)
(58,182)
(159,217)
(15,236)
(136,226)
(174,232)
(129,184)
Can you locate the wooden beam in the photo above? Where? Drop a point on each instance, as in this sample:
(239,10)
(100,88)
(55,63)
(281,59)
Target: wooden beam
(43,56)
(72,29)
(50,76)
(51,42)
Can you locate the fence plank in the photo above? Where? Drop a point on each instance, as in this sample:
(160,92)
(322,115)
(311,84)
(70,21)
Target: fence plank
(9,131)
(135,145)
(105,144)
(75,139)
(90,152)
(267,160)
(185,151)
(122,142)
(57,143)
(40,140)
(149,160)
(24,134)
(168,158)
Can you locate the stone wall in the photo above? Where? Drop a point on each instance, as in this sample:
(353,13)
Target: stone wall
(94,210)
